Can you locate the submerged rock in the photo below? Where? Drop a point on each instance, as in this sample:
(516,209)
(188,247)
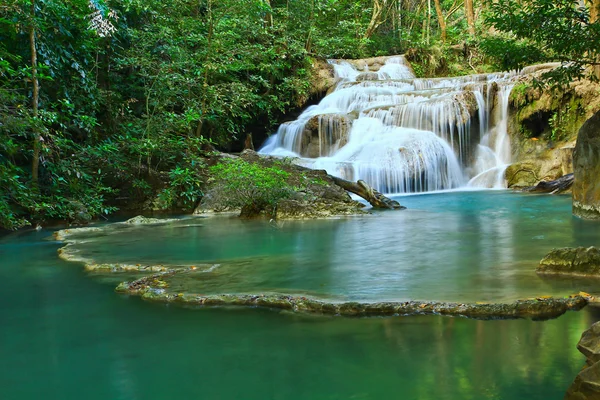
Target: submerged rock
(141,220)
(587,383)
(537,309)
(586,189)
(571,261)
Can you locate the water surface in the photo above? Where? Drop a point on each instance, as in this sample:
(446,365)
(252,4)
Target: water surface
(66,336)
(458,246)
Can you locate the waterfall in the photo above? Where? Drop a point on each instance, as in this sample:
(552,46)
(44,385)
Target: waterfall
(493,152)
(402,134)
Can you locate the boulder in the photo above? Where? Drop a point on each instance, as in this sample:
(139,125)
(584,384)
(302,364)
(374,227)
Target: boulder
(587,383)
(571,261)
(315,194)
(589,345)
(586,159)
(307,208)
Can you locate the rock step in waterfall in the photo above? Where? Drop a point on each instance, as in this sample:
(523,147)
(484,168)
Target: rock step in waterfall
(401,134)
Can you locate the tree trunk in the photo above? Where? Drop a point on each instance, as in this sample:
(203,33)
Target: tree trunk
(362,189)
(441,19)
(556,186)
(594,10)
(248,143)
(594,16)
(428,19)
(377,17)
(206,59)
(269,14)
(470,16)
(35,101)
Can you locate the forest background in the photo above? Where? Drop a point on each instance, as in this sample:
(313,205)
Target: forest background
(115,104)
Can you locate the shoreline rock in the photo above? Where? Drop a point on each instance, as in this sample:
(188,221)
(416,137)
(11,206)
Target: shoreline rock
(587,383)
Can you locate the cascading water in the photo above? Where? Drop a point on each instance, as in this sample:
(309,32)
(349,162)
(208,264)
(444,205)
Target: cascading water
(401,134)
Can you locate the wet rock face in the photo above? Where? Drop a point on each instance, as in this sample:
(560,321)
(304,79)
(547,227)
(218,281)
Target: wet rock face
(367,76)
(571,261)
(322,78)
(587,384)
(325,134)
(586,159)
(323,208)
(540,164)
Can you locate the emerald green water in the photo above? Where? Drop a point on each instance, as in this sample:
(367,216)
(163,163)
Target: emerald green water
(67,335)
(468,246)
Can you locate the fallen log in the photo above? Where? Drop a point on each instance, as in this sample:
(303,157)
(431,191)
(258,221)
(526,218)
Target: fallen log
(553,187)
(362,189)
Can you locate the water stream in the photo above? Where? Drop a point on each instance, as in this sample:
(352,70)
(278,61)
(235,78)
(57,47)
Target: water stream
(401,134)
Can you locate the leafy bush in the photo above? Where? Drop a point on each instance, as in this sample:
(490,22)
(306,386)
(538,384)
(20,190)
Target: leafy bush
(183,190)
(250,186)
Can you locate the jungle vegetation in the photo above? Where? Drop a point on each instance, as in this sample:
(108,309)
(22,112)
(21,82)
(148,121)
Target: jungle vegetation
(108,104)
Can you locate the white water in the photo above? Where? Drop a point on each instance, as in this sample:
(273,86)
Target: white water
(401,134)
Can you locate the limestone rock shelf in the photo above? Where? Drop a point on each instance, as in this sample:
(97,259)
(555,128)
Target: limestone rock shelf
(156,288)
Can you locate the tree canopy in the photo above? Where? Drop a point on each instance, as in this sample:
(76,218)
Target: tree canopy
(106,104)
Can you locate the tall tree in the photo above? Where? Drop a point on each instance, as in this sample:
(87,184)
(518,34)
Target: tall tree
(470,13)
(37,138)
(549,30)
(441,20)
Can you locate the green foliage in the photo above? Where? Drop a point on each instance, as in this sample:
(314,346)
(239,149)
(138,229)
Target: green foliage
(443,60)
(133,93)
(510,53)
(184,189)
(546,30)
(241,184)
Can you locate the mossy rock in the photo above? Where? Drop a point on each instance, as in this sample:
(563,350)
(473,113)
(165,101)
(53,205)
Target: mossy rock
(571,261)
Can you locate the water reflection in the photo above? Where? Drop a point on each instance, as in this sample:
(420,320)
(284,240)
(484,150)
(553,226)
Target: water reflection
(470,246)
(65,336)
